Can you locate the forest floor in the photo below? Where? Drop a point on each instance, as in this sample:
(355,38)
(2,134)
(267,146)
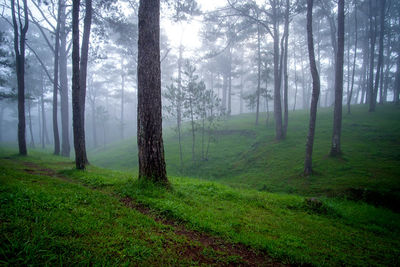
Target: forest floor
(52,214)
(250,207)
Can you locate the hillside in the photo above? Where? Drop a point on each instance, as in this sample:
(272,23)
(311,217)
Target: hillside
(247,156)
(52,214)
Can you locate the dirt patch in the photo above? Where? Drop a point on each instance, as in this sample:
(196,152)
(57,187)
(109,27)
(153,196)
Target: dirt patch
(245,256)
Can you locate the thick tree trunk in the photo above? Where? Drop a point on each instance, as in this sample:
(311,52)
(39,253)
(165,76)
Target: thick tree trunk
(354,59)
(55,84)
(149,137)
(277,76)
(83,70)
(65,145)
(77,109)
(315,92)
(19,49)
(372,103)
(337,113)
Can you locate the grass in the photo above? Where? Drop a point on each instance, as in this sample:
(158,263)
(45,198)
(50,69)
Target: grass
(247,156)
(249,191)
(46,220)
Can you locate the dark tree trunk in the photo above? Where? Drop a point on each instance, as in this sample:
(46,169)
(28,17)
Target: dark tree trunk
(19,49)
(315,92)
(77,109)
(372,102)
(258,73)
(149,137)
(285,73)
(45,136)
(295,79)
(277,76)
(354,58)
(55,84)
(337,113)
(83,70)
(65,145)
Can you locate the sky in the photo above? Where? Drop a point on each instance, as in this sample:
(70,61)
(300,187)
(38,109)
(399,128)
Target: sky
(189,32)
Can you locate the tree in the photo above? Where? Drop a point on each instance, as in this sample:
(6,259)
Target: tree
(372,102)
(315,92)
(149,133)
(79,71)
(337,117)
(19,49)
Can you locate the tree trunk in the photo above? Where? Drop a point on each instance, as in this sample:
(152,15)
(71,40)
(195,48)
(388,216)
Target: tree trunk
(397,83)
(45,136)
(32,143)
(337,116)
(315,92)
(354,58)
(122,103)
(150,143)
(65,145)
(83,71)
(179,103)
(277,76)
(77,109)
(372,103)
(372,37)
(295,79)
(19,49)
(230,83)
(258,73)
(285,73)
(1,123)
(55,84)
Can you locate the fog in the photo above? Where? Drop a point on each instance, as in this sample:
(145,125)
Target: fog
(225,48)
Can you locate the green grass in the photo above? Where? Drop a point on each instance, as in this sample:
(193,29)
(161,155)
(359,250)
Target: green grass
(46,220)
(247,156)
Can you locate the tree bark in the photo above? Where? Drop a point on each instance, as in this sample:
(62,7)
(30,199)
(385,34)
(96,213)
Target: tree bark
(19,49)
(55,84)
(32,143)
(83,70)
(397,83)
(77,109)
(315,92)
(372,103)
(337,117)
(149,137)
(372,37)
(65,145)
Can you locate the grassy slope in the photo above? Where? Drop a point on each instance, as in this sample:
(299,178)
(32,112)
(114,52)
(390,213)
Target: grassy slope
(73,224)
(247,156)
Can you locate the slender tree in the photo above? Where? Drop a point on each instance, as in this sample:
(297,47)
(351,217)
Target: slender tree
(55,84)
(149,132)
(337,116)
(354,59)
(372,102)
(315,92)
(20,30)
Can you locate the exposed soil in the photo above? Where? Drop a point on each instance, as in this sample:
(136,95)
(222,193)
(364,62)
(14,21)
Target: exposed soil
(225,253)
